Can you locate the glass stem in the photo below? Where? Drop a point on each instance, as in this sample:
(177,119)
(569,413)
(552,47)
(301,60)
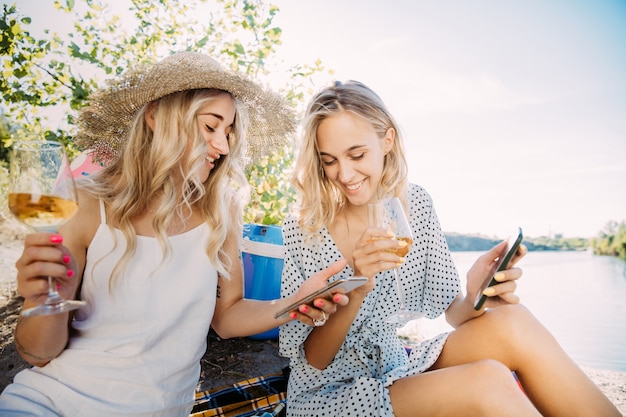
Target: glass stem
(53,293)
(399,289)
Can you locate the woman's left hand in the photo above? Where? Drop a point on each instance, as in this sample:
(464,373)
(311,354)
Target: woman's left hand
(317,312)
(503,292)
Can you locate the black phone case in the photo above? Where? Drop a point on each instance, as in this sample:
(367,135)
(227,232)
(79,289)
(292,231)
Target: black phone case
(481,298)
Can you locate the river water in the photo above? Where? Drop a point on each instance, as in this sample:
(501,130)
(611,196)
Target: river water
(579,297)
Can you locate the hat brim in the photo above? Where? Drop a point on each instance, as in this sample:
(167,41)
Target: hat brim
(104,123)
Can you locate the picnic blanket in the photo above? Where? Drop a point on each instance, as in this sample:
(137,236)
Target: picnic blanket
(261,396)
(251,397)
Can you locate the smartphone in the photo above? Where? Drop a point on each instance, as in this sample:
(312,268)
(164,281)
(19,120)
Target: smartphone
(343,285)
(503,262)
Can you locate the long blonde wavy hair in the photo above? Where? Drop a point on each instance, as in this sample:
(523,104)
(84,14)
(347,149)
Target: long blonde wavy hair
(146,170)
(320,201)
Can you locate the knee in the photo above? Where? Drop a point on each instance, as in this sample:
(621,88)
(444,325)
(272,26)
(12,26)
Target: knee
(496,379)
(493,376)
(491,372)
(513,322)
(510,314)
(516,329)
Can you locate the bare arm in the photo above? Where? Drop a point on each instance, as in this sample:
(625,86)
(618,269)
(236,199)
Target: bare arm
(39,339)
(236,316)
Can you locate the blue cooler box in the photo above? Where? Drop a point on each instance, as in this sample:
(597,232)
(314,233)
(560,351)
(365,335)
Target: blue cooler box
(263,258)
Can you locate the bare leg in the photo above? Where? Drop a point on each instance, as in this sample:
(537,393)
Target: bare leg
(484,388)
(513,337)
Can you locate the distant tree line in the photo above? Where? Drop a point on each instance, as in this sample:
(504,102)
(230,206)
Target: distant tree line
(458,242)
(611,241)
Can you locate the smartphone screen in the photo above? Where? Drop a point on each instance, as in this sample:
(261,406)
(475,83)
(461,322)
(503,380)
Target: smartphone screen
(503,262)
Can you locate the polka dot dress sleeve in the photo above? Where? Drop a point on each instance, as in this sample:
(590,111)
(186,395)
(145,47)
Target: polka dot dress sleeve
(293,333)
(433,279)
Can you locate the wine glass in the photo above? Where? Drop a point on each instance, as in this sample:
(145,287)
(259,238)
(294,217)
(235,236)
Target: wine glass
(389,214)
(42,195)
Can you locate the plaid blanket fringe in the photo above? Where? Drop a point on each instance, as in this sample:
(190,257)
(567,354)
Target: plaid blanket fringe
(242,399)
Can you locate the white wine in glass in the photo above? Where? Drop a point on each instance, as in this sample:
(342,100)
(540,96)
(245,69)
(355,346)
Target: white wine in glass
(42,195)
(389,214)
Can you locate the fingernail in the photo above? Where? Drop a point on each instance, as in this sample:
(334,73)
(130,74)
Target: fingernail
(319,303)
(58,286)
(293,315)
(66,258)
(499,276)
(337,298)
(304,309)
(489,291)
(402,243)
(70,273)
(56,239)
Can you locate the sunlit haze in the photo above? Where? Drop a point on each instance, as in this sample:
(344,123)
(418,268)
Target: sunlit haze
(513,112)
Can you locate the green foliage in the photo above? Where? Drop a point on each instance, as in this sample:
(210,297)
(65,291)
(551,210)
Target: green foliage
(4,183)
(5,133)
(272,193)
(46,81)
(611,241)
(33,80)
(556,243)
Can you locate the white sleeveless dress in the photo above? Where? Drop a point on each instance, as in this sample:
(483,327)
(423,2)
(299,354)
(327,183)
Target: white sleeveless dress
(137,345)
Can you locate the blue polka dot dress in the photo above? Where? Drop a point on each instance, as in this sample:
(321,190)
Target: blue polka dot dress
(372,357)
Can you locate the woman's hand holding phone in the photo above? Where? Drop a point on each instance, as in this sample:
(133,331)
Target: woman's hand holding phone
(498,277)
(313,303)
(342,286)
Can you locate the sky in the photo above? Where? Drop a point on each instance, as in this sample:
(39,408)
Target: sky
(513,113)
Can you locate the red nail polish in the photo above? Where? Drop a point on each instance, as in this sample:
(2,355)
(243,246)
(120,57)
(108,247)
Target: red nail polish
(70,273)
(58,286)
(56,239)
(304,309)
(336,298)
(293,315)
(319,303)
(66,258)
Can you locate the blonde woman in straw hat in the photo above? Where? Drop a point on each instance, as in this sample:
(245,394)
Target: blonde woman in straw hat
(153,248)
(355,365)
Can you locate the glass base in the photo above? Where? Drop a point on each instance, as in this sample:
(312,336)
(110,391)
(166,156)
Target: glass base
(55,307)
(402,317)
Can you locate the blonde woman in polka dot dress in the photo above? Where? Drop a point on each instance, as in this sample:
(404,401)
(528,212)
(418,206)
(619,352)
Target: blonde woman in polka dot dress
(354,364)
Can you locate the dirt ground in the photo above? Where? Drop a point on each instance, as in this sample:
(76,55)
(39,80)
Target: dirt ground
(225,361)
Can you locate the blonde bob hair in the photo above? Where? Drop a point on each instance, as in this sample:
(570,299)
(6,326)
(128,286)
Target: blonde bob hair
(320,200)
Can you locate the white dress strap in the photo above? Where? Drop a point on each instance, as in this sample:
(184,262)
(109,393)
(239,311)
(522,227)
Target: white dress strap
(103,213)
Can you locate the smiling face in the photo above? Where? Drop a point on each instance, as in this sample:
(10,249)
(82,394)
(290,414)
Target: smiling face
(215,121)
(352,155)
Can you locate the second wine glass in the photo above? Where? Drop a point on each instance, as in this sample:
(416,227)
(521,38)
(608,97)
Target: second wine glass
(389,214)
(42,195)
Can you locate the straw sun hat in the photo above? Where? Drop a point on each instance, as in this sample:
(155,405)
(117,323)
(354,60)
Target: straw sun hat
(104,123)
